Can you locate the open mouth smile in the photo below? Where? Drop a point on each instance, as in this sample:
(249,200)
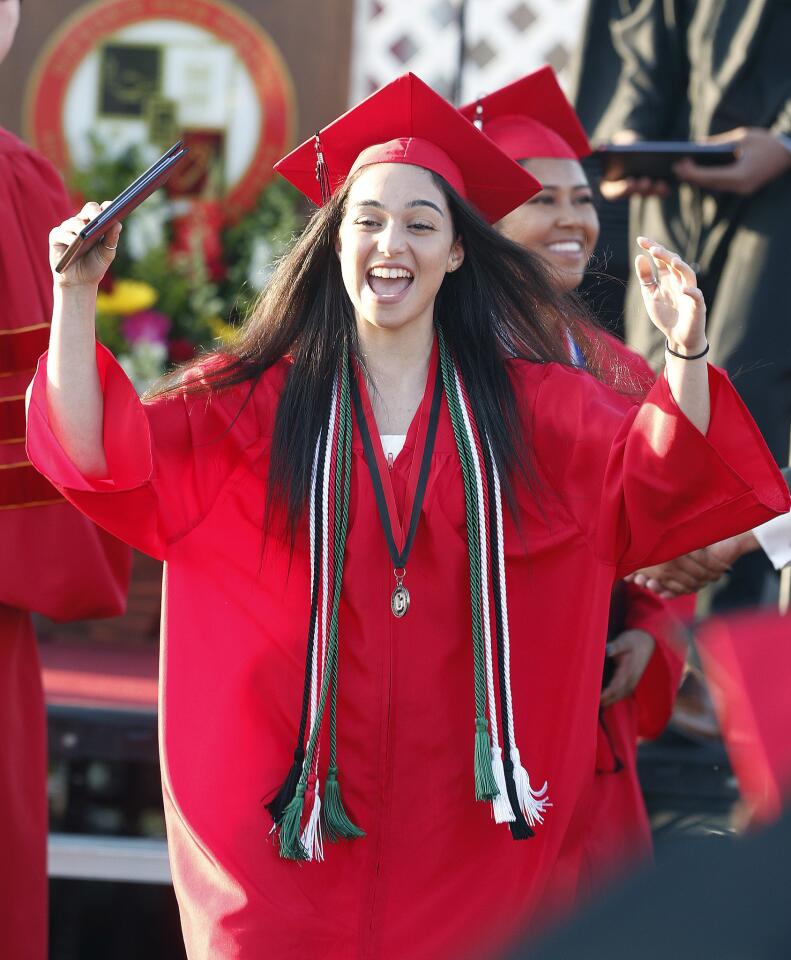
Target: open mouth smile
(389,284)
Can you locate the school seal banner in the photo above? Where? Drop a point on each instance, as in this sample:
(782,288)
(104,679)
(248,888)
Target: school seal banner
(149,71)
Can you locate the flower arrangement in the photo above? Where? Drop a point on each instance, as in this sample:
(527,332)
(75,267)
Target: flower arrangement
(184,274)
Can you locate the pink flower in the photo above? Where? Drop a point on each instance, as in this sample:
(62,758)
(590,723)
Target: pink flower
(146,325)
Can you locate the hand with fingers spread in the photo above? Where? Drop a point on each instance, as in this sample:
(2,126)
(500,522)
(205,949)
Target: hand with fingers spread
(761,158)
(631,651)
(671,297)
(89,269)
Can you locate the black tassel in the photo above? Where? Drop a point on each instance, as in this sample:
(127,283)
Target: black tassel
(287,792)
(519,827)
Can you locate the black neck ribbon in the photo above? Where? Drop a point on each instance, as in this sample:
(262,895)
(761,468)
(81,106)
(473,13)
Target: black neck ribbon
(399,559)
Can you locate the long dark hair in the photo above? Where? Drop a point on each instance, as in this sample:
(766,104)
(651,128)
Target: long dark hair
(500,303)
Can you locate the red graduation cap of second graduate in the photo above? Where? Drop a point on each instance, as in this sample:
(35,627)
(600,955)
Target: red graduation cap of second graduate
(407,122)
(531,118)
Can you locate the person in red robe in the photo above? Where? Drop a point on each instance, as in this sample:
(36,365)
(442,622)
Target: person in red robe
(386,657)
(532,121)
(53,560)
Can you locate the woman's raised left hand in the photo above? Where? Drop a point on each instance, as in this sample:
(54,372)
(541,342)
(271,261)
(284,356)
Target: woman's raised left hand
(671,296)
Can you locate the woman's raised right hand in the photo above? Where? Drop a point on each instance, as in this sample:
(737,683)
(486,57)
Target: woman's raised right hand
(88,270)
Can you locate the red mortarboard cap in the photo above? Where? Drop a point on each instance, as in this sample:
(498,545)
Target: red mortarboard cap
(407,122)
(748,661)
(531,118)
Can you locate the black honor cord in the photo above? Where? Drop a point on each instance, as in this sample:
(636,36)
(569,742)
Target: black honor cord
(277,805)
(399,559)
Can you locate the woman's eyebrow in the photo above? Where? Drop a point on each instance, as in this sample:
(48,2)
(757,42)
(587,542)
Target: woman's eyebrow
(555,186)
(412,203)
(425,203)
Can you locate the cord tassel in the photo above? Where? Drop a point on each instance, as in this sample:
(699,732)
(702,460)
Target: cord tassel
(485,784)
(277,806)
(532,803)
(288,831)
(337,824)
(501,806)
(311,835)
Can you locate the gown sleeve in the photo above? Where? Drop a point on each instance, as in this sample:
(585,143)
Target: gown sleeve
(52,559)
(167,459)
(56,562)
(656,691)
(640,481)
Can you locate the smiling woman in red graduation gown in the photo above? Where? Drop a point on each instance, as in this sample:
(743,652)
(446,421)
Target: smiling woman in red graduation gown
(532,121)
(268,642)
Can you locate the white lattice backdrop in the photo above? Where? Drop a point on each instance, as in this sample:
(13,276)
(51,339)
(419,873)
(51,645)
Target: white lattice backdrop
(504,39)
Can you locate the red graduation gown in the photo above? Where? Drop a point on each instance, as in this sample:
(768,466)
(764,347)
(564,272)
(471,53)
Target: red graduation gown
(434,875)
(52,559)
(618,831)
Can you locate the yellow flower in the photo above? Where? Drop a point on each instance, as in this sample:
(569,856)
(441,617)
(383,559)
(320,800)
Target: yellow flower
(127,296)
(225,332)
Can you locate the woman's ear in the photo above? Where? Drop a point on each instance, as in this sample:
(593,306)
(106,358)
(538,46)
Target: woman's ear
(456,255)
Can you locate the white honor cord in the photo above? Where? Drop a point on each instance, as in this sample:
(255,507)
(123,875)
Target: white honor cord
(325,526)
(501,804)
(532,802)
(314,634)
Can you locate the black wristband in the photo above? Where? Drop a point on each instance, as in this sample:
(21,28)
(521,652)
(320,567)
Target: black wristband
(682,356)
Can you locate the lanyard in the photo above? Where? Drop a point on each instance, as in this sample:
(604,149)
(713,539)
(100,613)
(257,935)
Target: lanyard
(399,601)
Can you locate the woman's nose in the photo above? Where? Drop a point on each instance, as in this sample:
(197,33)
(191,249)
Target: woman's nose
(568,214)
(392,239)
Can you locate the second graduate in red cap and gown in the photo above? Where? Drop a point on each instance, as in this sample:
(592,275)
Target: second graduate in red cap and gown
(532,121)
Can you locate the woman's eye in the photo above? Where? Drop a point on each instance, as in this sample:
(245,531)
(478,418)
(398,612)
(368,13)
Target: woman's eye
(543,199)
(587,198)
(365,222)
(422,226)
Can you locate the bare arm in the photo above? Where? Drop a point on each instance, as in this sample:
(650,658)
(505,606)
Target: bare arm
(74,396)
(677,309)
